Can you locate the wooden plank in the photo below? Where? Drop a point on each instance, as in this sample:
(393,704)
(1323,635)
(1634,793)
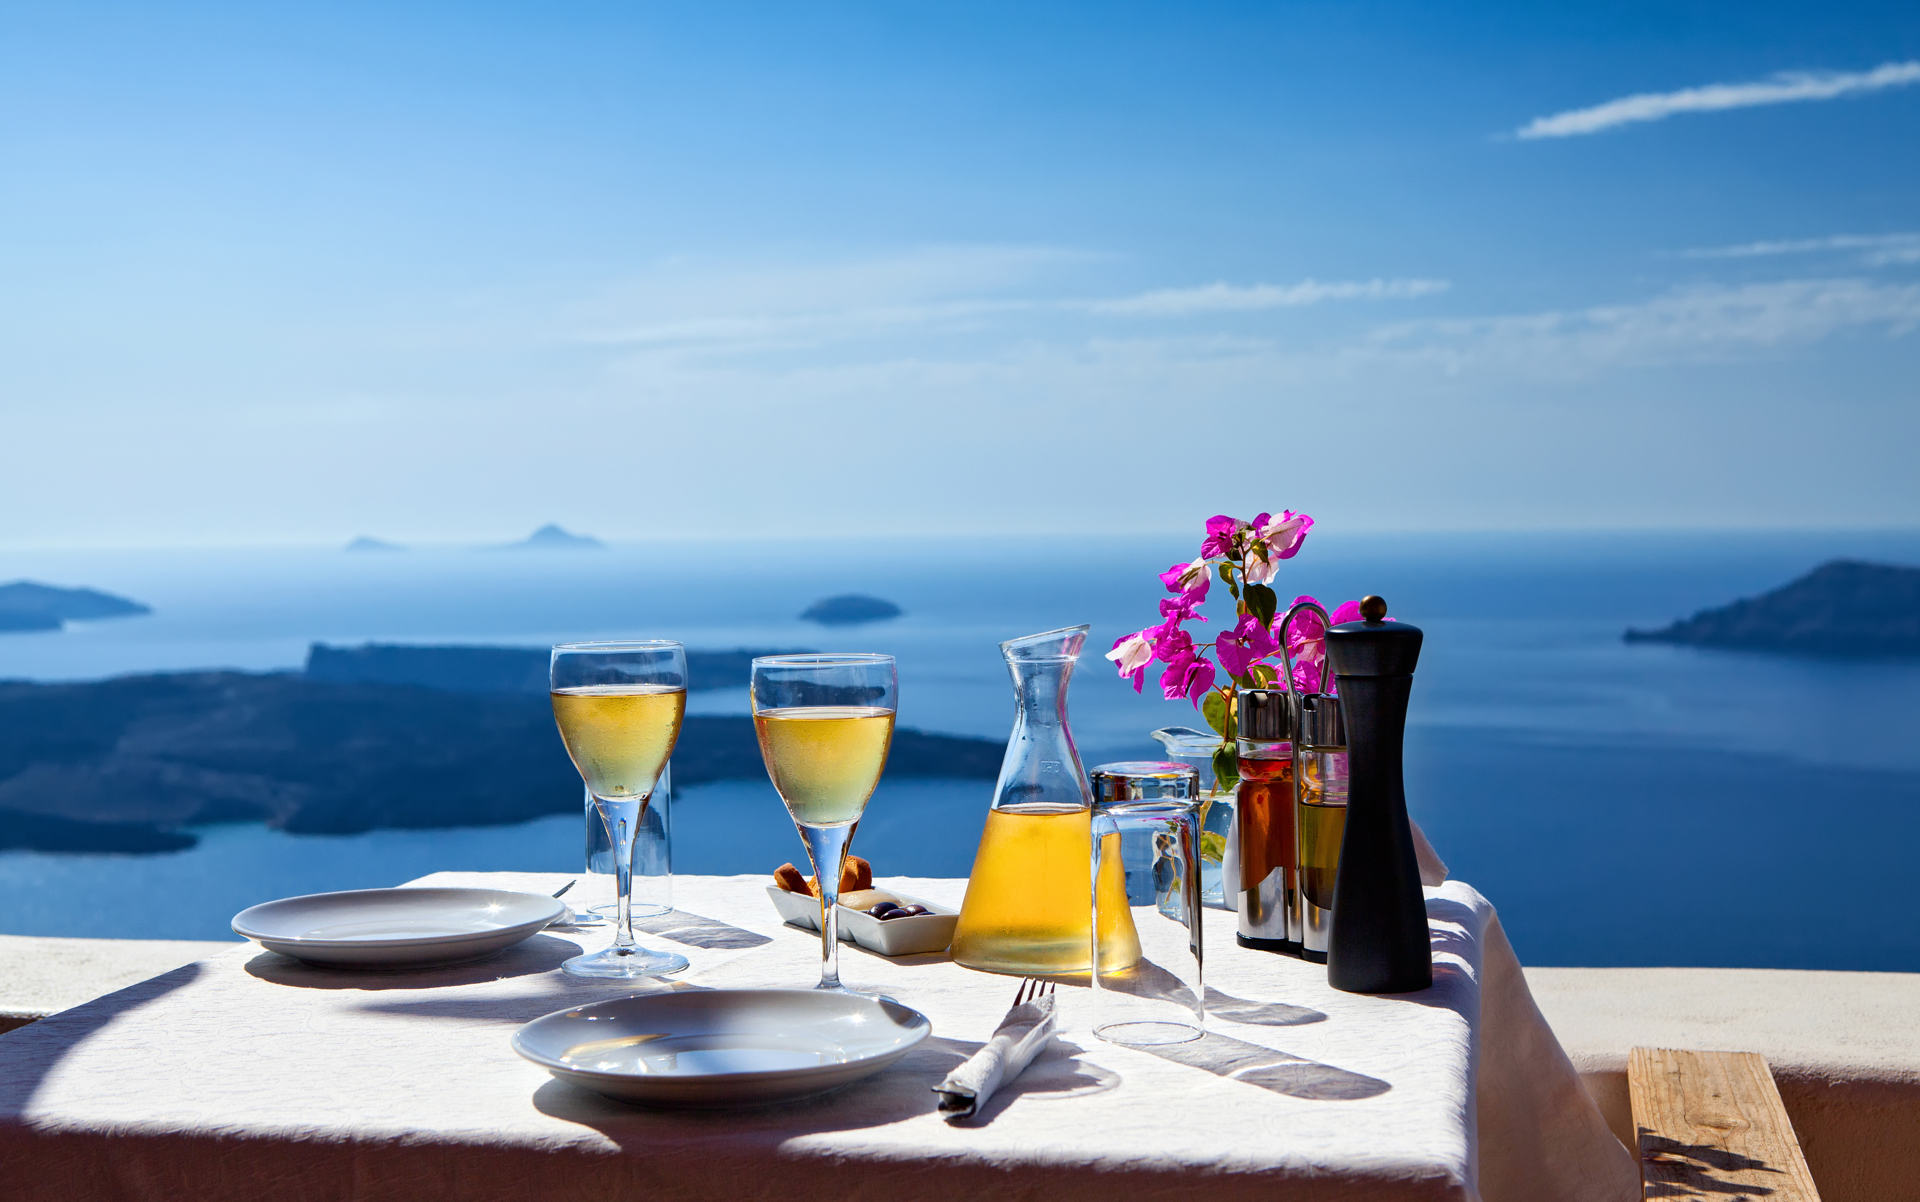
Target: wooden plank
(1712,1127)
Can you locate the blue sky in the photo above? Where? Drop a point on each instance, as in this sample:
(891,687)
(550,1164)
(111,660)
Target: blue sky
(444,272)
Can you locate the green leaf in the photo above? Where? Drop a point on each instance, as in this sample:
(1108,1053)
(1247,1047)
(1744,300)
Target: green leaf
(1226,574)
(1213,847)
(1226,767)
(1262,603)
(1214,709)
(1263,674)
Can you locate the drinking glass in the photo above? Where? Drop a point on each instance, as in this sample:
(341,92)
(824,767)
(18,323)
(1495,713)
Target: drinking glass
(1159,997)
(652,890)
(619,708)
(824,723)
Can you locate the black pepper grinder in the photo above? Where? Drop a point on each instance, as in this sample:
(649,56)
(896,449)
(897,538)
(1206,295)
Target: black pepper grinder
(1379,941)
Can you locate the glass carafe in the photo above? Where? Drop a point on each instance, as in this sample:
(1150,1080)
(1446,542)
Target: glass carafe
(1029,904)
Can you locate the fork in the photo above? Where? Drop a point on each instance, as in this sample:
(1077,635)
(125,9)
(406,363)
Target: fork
(1032,990)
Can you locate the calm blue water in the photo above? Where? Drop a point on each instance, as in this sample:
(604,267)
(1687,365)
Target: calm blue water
(1621,804)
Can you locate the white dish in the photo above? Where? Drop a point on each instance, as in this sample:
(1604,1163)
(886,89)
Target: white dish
(929,932)
(396,928)
(722,1047)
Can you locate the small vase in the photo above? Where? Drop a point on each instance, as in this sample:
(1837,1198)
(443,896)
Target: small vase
(1219,840)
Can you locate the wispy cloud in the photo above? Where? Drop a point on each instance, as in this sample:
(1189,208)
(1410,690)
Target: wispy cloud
(1876,250)
(1222,297)
(797,308)
(1784,88)
(1700,324)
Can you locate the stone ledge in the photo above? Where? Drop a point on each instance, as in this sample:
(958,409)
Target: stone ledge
(1844,1048)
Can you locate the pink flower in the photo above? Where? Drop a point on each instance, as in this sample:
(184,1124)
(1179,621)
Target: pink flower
(1133,652)
(1306,634)
(1346,611)
(1221,532)
(1307,644)
(1182,609)
(1245,645)
(1260,565)
(1190,677)
(1171,644)
(1283,535)
(1189,579)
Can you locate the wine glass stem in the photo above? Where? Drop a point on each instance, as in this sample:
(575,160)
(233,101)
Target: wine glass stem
(827,848)
(622,818)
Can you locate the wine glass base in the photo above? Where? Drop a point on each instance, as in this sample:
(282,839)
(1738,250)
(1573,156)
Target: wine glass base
(624,964)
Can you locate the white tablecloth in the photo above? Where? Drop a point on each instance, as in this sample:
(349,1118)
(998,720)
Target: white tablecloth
(252,1076)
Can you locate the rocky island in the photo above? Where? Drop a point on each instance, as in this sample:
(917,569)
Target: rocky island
(552,538)
(850,609)
(26,605)
(1843,607)
(128,764)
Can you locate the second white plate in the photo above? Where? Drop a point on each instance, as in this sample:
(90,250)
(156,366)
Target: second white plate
(396,928)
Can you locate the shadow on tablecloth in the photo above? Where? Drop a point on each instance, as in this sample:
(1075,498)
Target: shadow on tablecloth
(538,954)
(1279,1072)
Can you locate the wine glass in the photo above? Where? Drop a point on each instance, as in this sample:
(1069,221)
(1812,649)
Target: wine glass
(619,708)
(824,723)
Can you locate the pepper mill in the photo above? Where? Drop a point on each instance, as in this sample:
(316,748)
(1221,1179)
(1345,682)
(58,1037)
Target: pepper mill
(1379,942)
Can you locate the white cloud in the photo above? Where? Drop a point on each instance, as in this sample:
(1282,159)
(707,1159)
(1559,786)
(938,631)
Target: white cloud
(1698,324)
(1876,250)
(1784,88)
(1222,297)
(794,308)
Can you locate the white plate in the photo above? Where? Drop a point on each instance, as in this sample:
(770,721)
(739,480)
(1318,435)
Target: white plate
(396,928)
(722,1047)
(929,932)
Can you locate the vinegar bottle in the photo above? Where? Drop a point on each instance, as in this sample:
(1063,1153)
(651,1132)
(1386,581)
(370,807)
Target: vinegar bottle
(1264,809)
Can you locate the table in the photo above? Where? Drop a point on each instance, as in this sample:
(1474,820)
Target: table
(251,1076)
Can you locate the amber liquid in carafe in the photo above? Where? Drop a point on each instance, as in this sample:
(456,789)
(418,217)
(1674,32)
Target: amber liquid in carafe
(1028,908)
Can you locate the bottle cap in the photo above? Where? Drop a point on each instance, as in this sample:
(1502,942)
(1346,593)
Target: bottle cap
(1144,780)
(1373,646)
(1320,722)
(1265,715)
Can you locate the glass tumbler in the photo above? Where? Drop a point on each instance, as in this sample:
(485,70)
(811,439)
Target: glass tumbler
(1159,998)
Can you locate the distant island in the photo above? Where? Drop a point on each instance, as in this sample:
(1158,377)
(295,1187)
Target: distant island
(25,605)
(552,538)
(128,764)
(1843,607)
(368,543)
(850,609)
(494,669)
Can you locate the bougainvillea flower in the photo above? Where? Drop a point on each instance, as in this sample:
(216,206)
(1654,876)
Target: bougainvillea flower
(1189,579)
(1221,530)
(1245,645)
(1260,566)
(1306,638)
(1284,534)
(1133,652)
(1181,609)
(1170,643)
(1188,677)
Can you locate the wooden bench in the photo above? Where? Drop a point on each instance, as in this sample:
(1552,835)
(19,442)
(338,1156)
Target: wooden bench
(1712,1127)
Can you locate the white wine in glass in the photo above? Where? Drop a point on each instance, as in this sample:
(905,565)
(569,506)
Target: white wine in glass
(825,723)
(619,707)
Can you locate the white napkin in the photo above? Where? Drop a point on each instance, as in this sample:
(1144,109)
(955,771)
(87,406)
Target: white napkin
(1020,1036)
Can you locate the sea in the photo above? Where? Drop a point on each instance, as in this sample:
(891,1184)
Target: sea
(1621,804)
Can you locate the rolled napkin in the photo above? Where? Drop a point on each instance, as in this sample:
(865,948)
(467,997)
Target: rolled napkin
(1018,1039)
